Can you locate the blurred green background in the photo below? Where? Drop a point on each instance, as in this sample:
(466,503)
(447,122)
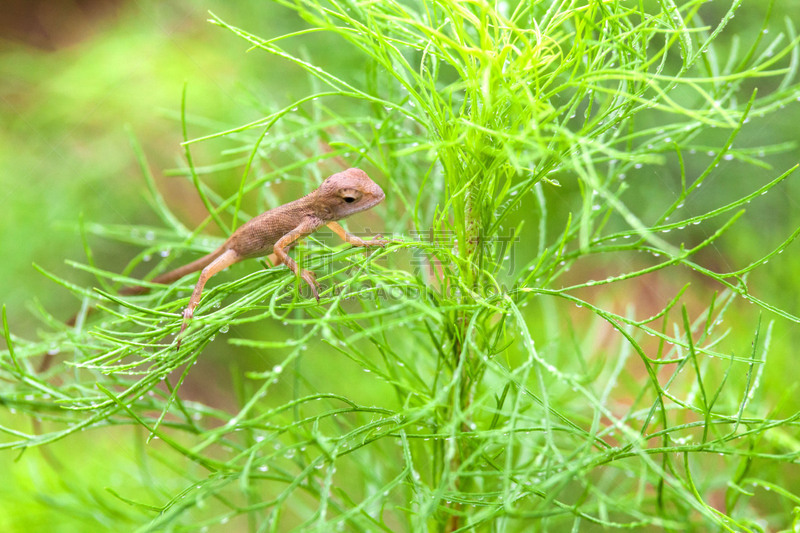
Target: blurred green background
(74,75)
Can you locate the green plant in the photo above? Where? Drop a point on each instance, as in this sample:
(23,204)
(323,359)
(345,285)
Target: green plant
(485,400)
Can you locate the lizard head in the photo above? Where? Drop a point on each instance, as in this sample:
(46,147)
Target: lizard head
(345,193)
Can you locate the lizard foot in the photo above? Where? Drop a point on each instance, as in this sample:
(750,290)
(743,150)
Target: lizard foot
(377,241)
(188,313)
(311,279)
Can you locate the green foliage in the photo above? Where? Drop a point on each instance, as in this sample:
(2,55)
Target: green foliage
(483,398)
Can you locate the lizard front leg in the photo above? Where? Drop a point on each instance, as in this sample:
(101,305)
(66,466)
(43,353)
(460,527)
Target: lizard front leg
(222,262)
(306,227)
(352,239)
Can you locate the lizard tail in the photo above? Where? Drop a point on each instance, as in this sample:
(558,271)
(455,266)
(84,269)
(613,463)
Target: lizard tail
(167,277)
(178,273)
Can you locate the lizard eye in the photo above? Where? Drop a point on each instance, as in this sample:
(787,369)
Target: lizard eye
(350,196)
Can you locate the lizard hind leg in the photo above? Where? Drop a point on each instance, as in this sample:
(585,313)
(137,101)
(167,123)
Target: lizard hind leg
(222,262)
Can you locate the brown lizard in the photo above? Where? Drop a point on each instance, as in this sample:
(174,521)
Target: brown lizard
(278,229)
